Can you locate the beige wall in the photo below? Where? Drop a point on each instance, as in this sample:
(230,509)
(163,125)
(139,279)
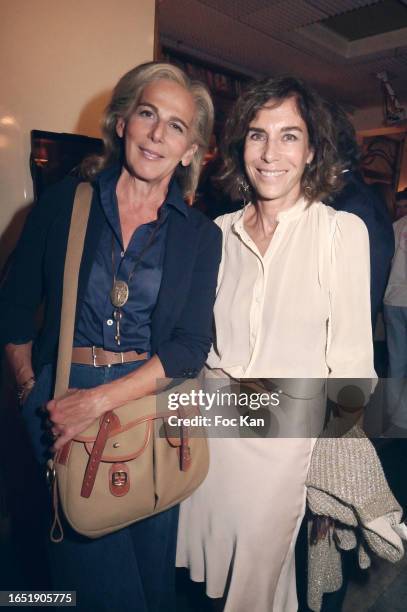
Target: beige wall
(58,63)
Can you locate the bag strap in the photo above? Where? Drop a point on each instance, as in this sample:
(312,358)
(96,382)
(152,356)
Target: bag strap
(76,240)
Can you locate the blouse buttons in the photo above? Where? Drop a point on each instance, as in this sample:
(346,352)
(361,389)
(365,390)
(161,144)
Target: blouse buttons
(109,322)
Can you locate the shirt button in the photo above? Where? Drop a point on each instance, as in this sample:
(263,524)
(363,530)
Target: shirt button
(121,253)
(109,322)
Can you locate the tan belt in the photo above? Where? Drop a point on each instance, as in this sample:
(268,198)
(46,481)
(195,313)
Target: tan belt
(98,357)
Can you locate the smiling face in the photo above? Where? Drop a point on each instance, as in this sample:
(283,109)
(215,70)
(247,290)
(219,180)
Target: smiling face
(160,132)
(276,152)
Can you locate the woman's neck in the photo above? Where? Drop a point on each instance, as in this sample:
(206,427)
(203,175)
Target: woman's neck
(268,210)
(264,215)
(138,202)
(135,193)
(260,221)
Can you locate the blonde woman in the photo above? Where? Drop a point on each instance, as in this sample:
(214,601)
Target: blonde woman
(142,233)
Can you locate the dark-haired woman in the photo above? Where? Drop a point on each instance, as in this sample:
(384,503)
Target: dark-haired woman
(141,233)
(292,303)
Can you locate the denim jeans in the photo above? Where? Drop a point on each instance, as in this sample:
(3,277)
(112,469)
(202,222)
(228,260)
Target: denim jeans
(132,569)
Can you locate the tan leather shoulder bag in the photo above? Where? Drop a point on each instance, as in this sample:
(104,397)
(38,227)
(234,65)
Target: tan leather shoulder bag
(129,464)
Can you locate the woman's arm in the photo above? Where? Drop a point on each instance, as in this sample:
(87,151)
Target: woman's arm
(77,409)
(184,353)
(34,265)
(22,291)
(350,343)
(21,294)
(18,357)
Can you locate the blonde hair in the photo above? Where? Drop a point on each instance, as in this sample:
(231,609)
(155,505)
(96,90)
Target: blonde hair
(126,96)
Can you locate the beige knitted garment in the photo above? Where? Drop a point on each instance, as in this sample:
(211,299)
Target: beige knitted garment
(346,483)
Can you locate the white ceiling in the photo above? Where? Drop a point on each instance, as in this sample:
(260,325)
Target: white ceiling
(267,37)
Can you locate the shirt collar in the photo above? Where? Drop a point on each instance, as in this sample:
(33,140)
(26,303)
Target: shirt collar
(106,182)
(294,211)
(175,198)
(285,215)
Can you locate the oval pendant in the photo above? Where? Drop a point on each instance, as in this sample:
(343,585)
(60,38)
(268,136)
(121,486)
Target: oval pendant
(119,293)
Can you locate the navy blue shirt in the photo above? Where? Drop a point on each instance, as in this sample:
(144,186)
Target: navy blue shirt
(96,325)
(181,325)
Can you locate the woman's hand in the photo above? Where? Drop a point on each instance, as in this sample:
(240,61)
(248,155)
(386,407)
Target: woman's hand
(74,412)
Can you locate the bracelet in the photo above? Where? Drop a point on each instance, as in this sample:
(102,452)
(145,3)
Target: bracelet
(24,387)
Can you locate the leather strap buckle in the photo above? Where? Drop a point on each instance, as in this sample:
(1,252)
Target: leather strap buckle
(119,479)
(94,357)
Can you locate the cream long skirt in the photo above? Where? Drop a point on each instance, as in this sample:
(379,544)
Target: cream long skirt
(237,532)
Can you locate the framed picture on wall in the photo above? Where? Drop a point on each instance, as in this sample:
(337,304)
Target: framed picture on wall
(54,155)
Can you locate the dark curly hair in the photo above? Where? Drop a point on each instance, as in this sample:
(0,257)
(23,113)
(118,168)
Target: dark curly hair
(322,176)
(348,148)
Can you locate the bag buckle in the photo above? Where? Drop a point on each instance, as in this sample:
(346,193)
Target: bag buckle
(119,479)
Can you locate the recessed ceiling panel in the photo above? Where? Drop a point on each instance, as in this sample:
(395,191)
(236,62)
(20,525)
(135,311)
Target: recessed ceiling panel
(336,7)
(283,16)
(380,18)
(264,40)
(222,39)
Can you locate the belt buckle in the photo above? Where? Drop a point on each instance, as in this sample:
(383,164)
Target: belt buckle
(94,357)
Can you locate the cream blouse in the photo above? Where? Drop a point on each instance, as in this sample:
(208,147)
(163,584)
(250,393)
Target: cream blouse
(302,309)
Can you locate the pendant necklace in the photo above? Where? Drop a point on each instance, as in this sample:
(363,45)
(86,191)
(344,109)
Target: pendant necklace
(119,293)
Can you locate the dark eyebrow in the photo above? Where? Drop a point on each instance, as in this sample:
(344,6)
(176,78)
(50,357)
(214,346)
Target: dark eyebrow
(155,109)
(284,129)
(292,128)
(256,129)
